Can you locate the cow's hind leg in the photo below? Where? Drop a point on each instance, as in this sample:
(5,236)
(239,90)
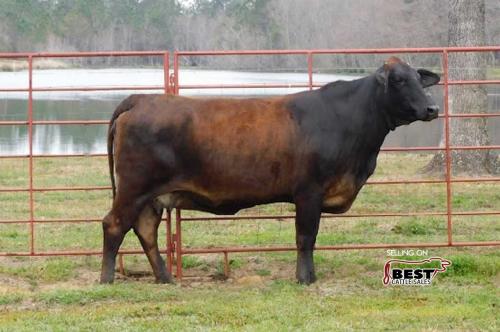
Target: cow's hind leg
(114,232)
(126,209)
(146,229)
(308,213)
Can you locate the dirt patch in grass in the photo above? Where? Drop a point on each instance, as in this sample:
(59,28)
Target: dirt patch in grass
(83,279)
(209,269)
(9,285)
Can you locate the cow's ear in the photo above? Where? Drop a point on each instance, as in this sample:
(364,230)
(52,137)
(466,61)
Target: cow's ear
(382,75)
(428,78)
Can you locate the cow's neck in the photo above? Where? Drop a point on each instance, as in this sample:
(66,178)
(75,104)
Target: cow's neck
(358,128)
(366,116)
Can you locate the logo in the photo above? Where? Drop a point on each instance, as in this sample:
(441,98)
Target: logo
(418,275)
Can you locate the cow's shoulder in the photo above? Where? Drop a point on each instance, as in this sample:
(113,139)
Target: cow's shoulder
(307,109)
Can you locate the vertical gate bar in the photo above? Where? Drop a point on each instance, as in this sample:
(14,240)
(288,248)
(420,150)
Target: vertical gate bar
(168,224)
(166,68)
(121,266)
(447,147)
(226,264)
(30,143)
(309,69)
(178,246)
(176,73)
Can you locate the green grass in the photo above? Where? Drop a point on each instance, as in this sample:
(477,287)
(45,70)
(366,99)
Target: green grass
(56,269)
(262,311)
(349,296)
(61,293)
(419,226)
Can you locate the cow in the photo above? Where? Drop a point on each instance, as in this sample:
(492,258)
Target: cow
(315,149)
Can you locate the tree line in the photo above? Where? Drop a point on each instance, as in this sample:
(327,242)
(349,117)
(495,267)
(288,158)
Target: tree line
(96,25)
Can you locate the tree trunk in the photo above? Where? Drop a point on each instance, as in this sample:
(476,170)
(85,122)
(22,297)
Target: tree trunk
(466,27)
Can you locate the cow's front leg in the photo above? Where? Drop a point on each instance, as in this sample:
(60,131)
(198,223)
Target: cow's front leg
(146,229)
(308,213)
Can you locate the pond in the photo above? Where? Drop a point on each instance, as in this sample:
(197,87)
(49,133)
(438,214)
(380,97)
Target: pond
(99,105)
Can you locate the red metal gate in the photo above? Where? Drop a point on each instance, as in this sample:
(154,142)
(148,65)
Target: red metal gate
(174,249)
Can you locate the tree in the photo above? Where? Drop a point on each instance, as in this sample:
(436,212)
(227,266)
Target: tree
(466,27)
(23,23)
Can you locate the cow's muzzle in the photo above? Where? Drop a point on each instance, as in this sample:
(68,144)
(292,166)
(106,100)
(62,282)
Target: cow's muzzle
(432,112)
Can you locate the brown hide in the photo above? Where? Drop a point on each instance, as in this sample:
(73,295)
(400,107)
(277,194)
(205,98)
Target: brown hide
(242,150)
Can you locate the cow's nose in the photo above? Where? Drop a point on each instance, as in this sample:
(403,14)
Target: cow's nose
(433,110)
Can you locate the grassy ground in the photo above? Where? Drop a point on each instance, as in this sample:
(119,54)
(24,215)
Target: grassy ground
(62,293)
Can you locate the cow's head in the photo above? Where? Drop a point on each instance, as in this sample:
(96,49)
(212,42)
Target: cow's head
(403,94)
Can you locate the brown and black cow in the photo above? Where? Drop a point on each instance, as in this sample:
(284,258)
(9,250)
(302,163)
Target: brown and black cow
(315,149)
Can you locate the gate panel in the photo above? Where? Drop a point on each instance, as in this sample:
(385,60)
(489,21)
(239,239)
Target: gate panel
(32,191)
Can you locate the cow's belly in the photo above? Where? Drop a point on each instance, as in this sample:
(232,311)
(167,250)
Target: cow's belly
(338,203)
(216,204)
(340,194)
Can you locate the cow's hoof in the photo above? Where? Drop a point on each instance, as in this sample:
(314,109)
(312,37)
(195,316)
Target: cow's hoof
(105,281)
(306,279)
(107,278)
(165,280)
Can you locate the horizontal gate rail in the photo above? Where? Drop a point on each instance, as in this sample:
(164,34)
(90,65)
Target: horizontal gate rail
(243,249)
(87,89)
(41,155)
(106,122)
(174,249)
(378,182)
(389,149)
(274,217)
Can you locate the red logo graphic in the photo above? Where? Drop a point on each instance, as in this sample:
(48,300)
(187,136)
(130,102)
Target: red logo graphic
(413,276)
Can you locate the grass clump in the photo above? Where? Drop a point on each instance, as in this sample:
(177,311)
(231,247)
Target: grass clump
(416,226)
(49,270)
(475,268)
(190,261)
(263,272)
(99,293)
(10,299)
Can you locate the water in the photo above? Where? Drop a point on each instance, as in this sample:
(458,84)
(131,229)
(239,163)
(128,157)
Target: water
(68,139)
(56,139)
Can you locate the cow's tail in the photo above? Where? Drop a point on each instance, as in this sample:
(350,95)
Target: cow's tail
(123,107)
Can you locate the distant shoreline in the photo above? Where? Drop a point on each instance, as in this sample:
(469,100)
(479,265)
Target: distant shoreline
(9,65)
